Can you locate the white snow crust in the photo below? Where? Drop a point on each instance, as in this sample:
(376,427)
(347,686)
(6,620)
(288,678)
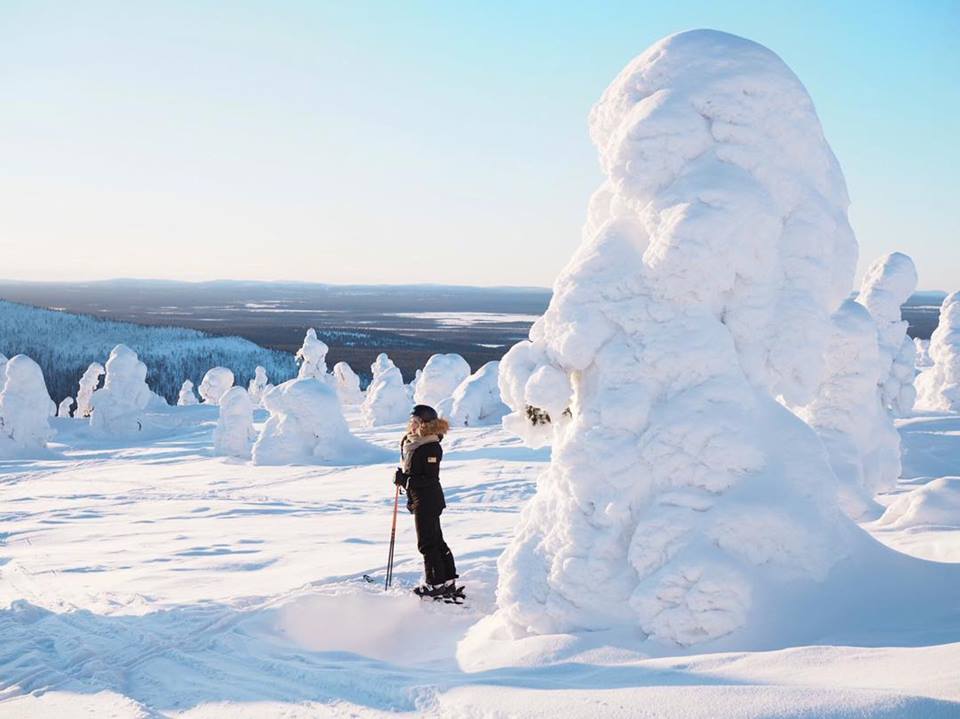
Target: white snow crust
(440,377)
(938,387)
(214,384)
(25,409)
(234,434)
(118,407)
(476,401)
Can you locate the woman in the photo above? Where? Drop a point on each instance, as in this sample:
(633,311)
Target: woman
(421,453)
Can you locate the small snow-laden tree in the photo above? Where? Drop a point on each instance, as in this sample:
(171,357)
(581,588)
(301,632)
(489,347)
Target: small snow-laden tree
(387,401)
(887,284)
(380,365)
(938,387)
(306,426)
(922,354)
(187,398)
(234,434)
(476,401)
(88,385)
(215,383)
(312,357)
(680,492)
(3,368)
(63,410)
(118,407)
(849,415)
(259,386)
(24,409)
(441,375)
(347,385)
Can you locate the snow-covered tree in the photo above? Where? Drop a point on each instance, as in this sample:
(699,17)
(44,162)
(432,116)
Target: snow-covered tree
(215,383)
(680,491)
(88,385)
(380,365)
(234,434)
(63,410)
(187,398)
(306,426)
(922,354)
(440,376)
(347,384)
(887,284)
(118,407)
(312,357)
(858,432)
(259,386)
(25,409)
(387,401)
(476,401)
(3,368)
(938,387)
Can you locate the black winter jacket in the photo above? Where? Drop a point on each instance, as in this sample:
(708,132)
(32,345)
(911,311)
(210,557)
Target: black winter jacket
(424,493)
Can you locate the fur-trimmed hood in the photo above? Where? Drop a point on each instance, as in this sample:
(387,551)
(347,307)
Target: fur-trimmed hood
(438,426)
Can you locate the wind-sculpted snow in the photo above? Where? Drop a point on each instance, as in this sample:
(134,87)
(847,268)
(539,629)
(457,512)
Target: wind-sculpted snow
(117,408)
(88,385)
(476,401)
(234,434)
(386,401)
(307,426)
(25,409)
(938,387)
(680,489)
(440,377)
(887,284)
(848,414)
(259,386)
(935,504)
(312,357)
(347,384)
(214,385)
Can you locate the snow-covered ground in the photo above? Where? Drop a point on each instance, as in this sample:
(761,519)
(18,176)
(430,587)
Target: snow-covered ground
(154,579)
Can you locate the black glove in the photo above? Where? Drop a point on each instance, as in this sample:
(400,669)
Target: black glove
(400,479)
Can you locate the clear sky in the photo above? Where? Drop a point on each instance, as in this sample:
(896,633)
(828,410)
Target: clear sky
(413,142)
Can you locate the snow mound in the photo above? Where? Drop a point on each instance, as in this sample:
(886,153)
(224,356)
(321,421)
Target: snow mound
(214,384)
(440,377)
(306,426)
(936,503)
(476,401)
(938,388)
(25,409)
(259,385)
(88,385)
(234,434)
(118,407)
(859,434)
(887,284)
(312,357)
(347,384)
(387,401)
(186,397)
(713,256)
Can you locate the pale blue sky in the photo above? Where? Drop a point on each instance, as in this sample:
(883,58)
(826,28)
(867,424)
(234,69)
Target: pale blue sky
(413,142)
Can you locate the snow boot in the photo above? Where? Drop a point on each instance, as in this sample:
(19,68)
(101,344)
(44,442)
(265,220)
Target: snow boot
(430,591)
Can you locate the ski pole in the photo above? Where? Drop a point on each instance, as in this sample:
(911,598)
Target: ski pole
(393,541)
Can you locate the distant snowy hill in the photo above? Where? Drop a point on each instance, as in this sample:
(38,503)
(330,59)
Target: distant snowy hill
(64,344)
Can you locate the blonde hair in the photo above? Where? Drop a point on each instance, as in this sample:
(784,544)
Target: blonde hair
(438,426)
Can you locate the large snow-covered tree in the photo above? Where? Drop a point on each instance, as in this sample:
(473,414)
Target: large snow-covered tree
(25,409)
(312,357)
(938,386)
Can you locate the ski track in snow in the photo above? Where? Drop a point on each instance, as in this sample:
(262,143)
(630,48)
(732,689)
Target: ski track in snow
(159,580)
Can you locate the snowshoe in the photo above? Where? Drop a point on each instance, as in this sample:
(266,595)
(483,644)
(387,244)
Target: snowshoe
(430,591)
(455,595)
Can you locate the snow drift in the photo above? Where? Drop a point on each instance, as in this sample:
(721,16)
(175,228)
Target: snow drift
(680,489)
(476,401)
(234,434)
(25,409)
(440,377)
(306,426)
(935,504)
(887,284)
(938,387)
(387,401)
(214,384)
(118,407)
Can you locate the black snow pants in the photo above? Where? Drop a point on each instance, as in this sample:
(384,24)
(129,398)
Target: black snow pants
(438,564)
